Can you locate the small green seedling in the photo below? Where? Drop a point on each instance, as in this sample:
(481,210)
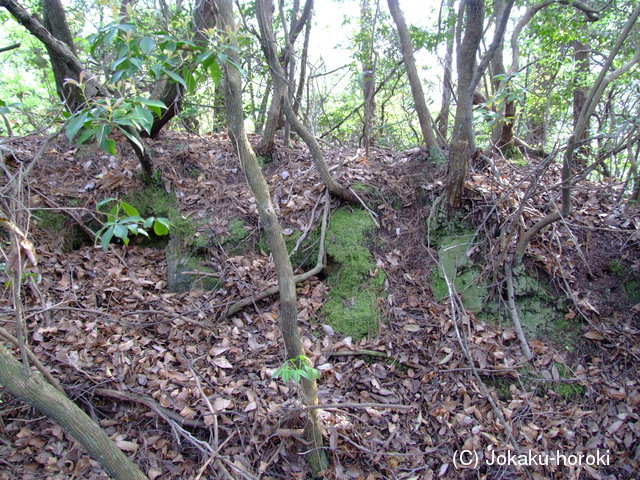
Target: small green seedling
(297,368)
(36,278)
(124,220)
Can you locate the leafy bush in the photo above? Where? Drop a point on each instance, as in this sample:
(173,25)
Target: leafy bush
(123,220)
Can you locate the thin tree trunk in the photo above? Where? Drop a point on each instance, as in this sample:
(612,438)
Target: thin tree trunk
(463,144)
(581,57)
(473,13)
(55,21)
(442,121)
(263,8)
(288,301)
(368,34)
(265,147)
(303,69)
(424,116)
(34,390)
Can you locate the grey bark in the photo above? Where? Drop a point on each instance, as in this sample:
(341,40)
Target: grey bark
(263,8)
(34,390)
(424,116)
(286,281)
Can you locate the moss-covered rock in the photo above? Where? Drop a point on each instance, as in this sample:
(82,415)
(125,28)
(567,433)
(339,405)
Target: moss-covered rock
(536,306)
(181,259)
(356,284)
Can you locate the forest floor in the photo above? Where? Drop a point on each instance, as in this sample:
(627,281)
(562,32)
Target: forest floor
(189,393)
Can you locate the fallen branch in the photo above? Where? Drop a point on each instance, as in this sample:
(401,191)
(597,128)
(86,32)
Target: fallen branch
(456,306)
(355,353)
(32,357)
(151,403)
(514,312)
(236,307)
(41,395)
(329,406)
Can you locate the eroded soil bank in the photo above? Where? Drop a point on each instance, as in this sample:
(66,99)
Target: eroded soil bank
(108,321)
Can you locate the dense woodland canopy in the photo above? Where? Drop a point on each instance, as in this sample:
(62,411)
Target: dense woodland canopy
(262,137)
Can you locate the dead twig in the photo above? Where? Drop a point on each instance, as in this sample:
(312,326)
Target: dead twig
(298,278)
(514,312)
(32,357)
(151,404)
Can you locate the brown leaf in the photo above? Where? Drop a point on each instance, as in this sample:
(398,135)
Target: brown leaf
(594,335)
(127,446)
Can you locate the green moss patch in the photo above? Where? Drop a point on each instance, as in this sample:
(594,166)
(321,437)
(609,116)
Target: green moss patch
(356,284)
(567,390)
(536,306)
(632,291)
(180,260)
(155,201)
(453,244)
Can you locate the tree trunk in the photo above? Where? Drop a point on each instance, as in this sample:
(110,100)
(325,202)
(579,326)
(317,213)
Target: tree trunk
(442,121)
(424,116)
(303,70)
(503,128)
(288,301)
(581,57)
(463,144)
(41,395)
(263,9)
(367,60)
(265,147)
(55,22)
(473,14)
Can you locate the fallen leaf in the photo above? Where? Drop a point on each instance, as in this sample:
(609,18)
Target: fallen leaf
(594,335)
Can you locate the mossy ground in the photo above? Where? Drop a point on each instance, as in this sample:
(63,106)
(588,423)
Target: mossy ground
(236,242)
(352,304)
(155,201)
(538,310)
(55,223)
(567,390)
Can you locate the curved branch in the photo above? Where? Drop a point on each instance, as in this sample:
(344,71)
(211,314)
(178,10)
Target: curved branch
(280,84)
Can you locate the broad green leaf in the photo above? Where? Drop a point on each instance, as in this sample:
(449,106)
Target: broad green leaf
(147,44)
(190,80)
(175,77)
(120,231)
(133,139)
(102,203)
(216,73)
(75,124)
(108,145)
(145,117)
(160,229)
(156,70)
(136,62)
(130,210)
(137,219)
(156,106)
(164,221)
(127,27)
(148,222)
(106,238)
